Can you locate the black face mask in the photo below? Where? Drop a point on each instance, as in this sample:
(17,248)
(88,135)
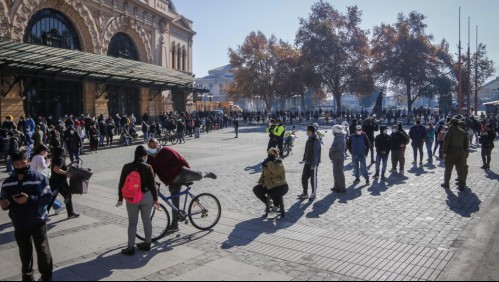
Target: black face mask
(21,171)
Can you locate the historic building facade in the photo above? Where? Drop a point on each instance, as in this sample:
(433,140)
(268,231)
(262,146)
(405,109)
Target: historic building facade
(148,31)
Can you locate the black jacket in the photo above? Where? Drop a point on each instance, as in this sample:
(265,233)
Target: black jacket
(487,139)
(383,143)
(399,139)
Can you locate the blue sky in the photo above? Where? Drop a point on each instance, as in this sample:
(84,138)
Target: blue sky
(221,24)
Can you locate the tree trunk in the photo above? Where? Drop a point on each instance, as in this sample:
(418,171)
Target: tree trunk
(409,98)
(337,99)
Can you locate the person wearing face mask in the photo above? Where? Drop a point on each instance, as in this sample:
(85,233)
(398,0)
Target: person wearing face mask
(337,156)
(145,206)
(418,134)
(54,138)
(173,170)
(359,147)
(383,143)
(312,159)
(26,195)
(273,180)
(74,143)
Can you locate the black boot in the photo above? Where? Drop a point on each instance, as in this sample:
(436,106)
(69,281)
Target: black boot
(144,246)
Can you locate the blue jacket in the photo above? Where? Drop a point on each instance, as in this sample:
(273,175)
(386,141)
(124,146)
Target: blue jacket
(34,212)
(359,145)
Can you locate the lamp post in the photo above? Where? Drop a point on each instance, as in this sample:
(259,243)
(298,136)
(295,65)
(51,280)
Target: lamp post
(258,103)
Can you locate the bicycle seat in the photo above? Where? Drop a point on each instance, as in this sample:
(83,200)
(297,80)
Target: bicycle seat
(188,184)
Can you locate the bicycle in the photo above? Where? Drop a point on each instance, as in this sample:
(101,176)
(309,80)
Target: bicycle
(169,137)
(202,208)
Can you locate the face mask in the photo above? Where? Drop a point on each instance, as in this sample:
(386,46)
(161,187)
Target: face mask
(383,132)
(72,132)
(21,171)
(152,151)
(145,160)
(359,132)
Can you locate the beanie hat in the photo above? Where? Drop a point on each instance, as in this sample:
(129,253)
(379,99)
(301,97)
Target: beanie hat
(311,128)
(140,152)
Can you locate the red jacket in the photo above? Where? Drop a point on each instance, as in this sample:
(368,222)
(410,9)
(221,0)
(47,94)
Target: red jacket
(167,164)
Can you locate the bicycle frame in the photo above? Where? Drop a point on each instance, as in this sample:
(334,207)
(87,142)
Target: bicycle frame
(187,194)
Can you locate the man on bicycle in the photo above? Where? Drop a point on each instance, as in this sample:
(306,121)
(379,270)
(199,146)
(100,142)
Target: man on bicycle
(173,170)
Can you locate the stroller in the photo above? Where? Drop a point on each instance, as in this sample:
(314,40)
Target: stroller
(78,183)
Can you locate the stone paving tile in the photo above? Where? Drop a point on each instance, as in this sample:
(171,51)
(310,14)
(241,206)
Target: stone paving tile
(405,229)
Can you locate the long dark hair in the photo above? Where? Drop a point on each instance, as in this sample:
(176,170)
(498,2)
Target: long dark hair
(57,153)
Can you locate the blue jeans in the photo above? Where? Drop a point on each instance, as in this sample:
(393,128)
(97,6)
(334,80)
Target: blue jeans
(429,146)
(101,140)
(381,158)
(146,136)
(360,161)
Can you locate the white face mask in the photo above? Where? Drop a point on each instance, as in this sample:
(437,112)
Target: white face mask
(153,151)
(359,132)
(72,132)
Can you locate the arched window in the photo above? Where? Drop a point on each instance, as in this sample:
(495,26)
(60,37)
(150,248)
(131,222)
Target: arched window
(122,46)
(51,97)
(123,100)
(51,28)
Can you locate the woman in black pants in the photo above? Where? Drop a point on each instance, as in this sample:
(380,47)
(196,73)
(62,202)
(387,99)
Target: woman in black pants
(58,181)
(273,180)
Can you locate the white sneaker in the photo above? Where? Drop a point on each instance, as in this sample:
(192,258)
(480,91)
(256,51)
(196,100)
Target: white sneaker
(59,210)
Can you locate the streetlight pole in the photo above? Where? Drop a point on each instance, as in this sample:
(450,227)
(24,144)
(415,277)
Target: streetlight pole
(257,103)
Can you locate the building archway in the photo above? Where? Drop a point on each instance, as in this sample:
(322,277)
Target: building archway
(51,97)
(123,100)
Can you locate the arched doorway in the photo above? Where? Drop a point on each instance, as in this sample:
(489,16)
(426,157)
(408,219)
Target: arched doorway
(49,97)
(123,100)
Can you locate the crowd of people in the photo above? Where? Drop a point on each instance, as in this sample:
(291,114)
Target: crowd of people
(447,139)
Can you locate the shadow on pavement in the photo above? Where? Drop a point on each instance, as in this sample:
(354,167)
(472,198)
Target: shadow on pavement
(248,231)
(378,187)
(105,264)
(418,171)
(465,203)
(492,175)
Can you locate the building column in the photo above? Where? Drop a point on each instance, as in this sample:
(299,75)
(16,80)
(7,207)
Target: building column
(89,104)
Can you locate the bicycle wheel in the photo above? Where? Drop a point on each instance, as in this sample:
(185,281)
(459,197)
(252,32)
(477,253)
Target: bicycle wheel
(164,140)
(286,150)
(174,140)
(160,222)
(204,211)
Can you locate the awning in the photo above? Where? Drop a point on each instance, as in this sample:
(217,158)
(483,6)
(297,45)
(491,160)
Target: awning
(495,103)
(27,60)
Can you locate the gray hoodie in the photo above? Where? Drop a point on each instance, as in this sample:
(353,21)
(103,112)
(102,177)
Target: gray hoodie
(338,149)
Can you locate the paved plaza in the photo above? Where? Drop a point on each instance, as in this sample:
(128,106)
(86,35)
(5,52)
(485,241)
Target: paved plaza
(407,228)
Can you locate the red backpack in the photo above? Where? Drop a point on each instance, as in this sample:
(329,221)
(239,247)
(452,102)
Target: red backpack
(132,189)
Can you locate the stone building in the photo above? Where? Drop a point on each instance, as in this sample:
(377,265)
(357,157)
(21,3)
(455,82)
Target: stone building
(122,56)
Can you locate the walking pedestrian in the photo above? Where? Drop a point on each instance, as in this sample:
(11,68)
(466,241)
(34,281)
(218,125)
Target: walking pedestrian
(487,138)
(312,159)
(337,156)
(359,147)
(138,173)
(370,127)
(59,183)
(25,195)
(236,127)
(430,138)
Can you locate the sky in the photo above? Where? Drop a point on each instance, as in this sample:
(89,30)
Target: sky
(224,24)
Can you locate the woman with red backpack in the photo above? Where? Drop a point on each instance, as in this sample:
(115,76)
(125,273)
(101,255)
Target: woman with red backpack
(138,187)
